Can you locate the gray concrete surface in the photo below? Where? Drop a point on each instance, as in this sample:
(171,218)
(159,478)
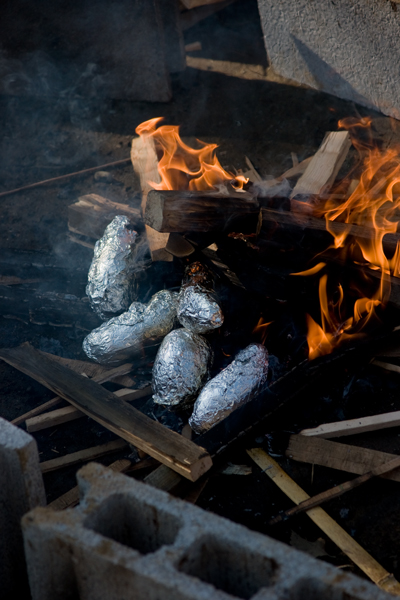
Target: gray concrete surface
(349,49)
(129,541)
(21,489)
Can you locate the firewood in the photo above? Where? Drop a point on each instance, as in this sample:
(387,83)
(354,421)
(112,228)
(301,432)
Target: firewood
(71,498)
(112,412)
(336,491)
(181,211)
(75,458)
(91,214)
(325,165)
(99,373)
(163,478)
(354,426)
(337,534)
(189,18)
(335,455)
(145,163)
(70,413)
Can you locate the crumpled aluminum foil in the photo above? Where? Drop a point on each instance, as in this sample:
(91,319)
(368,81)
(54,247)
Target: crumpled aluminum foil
(237,384)
(110,278)
(181,368)
(198,310)
(123,337)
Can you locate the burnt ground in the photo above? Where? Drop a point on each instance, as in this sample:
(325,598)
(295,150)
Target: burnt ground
(266,120)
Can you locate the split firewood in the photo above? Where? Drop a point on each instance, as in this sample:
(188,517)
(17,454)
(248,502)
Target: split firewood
(335,455)
(189,18)
(170,448)
(324,166)
(354,426)
(181,211)
(91,214)
(70,413)
(99,373)
(337,534)
(145,163)
(337,491)
(75,458)
(193,47)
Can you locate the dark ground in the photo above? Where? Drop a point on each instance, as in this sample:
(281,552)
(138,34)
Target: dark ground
(265,120)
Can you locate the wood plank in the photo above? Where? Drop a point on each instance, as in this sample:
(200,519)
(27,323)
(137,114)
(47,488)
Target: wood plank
(75,458)
(115,414)
(99,373)
(324,166)
(337,490)
(91,214)
(182,211)
(145,163)
(71,498)
(354,426)
(335,455)
(337,534)
(70,413)
(163,478)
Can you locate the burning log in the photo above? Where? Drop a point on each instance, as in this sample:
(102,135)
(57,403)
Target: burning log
(236,385)
(324,165)
(91,214)
(182,211)
(145,163)
(125,336)
(110,278)
(181,368)
(198,309)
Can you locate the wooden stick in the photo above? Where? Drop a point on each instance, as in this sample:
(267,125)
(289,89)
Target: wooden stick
(337,491)
(68,176)
(387,366)
(145,163)
(337,534)
(163,478)
(99,373)
(75,458)
(181,211)
(71,498)
(112,412)
(335,455)
(70,413)
(91,214)
(354,426)
(325,165)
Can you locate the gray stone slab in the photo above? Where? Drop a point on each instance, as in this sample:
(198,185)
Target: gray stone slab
(348,49)
(128,540)
(21,489)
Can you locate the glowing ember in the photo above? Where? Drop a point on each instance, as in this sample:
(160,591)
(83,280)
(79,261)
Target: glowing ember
(182,167)
(373,204)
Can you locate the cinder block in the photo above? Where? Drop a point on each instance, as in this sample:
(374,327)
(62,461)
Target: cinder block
(21,489)
(129,541)
(348,49)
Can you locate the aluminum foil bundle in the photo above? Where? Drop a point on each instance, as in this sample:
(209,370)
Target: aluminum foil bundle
(181,368)
(237,384)
(198,309)
(123,337)
(110,279)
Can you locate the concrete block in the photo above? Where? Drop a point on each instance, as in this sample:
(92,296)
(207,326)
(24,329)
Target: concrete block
(348,49)
(173,37)
(21,489)
(129,541)
(84,48)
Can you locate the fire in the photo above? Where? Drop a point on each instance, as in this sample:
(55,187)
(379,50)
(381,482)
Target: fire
(373,205)
(261,329)
(184,168)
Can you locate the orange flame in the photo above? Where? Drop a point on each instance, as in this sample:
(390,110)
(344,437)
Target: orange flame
(373,206)
(184,168)
(261,328)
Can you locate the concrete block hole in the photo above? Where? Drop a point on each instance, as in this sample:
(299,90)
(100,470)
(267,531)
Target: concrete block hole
(141,527)
(229,567)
